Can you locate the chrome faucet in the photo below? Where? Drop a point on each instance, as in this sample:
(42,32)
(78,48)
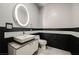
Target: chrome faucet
(23,32)
(31,29)
(30,26)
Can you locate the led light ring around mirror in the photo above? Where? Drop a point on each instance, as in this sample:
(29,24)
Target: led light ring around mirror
(16,14)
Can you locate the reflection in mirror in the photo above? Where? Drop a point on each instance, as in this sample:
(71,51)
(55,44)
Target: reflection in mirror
(21,15)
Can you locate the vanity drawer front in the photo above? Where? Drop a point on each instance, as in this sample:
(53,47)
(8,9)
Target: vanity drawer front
(28,49)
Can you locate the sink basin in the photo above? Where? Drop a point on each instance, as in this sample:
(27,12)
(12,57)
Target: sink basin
(24,38)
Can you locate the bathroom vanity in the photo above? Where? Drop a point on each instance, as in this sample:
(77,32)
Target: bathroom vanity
(24,49)
(25,45)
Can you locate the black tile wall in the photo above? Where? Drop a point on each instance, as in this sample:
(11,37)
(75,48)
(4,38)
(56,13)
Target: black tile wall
(28,29)
(3,44)
(76,29)
(60,41)
(74,45)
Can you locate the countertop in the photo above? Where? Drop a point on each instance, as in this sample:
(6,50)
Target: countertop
(13,34)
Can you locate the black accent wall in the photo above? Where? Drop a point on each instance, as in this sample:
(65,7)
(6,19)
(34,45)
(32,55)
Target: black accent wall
(60,41)
(15,29)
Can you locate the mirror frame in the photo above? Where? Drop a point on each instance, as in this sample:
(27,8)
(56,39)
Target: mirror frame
(15,14)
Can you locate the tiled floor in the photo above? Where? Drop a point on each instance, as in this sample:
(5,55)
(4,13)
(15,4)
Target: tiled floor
(54,51)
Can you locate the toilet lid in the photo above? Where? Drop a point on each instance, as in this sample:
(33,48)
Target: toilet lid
(42,41)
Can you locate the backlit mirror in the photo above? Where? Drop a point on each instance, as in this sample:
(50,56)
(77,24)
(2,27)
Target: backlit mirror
(21,15)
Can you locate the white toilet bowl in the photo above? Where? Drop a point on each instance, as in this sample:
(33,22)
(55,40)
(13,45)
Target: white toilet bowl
(42,48)
(42,45)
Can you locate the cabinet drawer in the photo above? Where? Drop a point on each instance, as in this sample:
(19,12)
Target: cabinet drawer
(28,49)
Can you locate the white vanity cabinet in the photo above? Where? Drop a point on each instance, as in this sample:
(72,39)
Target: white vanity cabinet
(23,49)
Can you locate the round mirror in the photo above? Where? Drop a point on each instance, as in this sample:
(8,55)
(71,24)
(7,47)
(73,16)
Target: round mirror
(21,14)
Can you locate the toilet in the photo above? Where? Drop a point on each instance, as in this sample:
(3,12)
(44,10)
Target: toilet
(42,45)
(42,48)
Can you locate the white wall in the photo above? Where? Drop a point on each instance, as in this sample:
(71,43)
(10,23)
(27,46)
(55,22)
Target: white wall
(75,13)
(57,16)
(51,16)
(6,14)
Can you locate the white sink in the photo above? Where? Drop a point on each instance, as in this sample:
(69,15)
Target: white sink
(24,38)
